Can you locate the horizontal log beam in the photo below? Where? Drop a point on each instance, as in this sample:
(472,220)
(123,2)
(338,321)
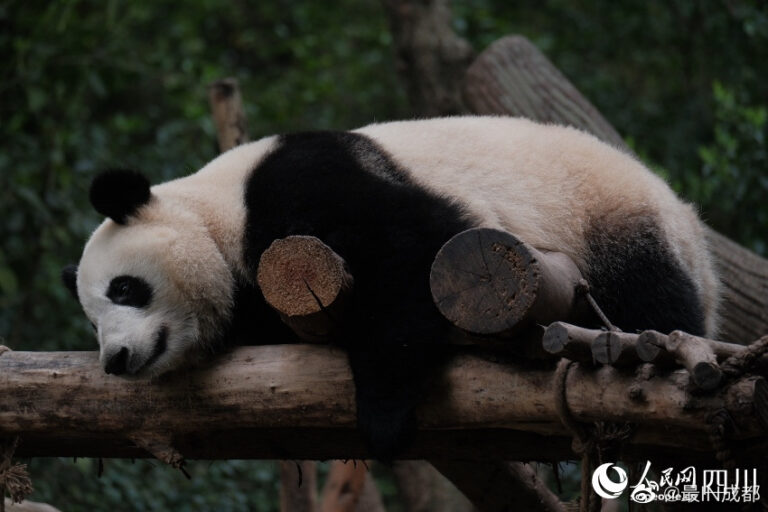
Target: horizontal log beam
(297,401)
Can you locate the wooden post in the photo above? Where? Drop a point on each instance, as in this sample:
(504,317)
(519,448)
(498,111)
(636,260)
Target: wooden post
(488,282)
(431,57)
(307,283)
(228,113)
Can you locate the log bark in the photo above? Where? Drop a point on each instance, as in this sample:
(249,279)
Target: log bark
(228,114)
(430,57)
(488,282)
(615,348)
(307,283)
(512,77)
(697,356)
(288,401)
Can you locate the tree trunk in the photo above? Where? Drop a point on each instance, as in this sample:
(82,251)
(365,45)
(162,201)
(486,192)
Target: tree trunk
(431,58)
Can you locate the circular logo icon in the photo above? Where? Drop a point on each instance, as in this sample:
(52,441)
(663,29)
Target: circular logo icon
(604,486)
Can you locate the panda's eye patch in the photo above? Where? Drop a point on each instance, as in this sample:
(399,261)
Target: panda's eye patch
(129,291)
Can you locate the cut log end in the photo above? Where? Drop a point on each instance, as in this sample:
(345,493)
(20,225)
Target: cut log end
(650,345)
(707,375)
(307,283)
(566,340)
(300,275)
(484,281)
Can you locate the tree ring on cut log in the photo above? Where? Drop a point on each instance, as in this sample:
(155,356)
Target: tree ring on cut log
(300,275)
(485,280)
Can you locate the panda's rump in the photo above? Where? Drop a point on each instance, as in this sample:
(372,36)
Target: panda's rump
(636,278)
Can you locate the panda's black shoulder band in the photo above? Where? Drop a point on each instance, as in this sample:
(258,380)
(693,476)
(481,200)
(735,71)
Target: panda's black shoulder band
(118,193)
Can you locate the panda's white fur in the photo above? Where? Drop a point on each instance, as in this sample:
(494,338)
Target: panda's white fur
(543,183)
(197,239)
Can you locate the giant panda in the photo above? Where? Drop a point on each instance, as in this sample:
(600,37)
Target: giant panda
(172,271)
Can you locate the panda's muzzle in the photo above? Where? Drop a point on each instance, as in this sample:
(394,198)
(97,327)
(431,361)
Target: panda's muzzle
(160,346)
(123,361)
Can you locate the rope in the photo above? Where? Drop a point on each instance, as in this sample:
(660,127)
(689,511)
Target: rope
(13,477)
(583,444)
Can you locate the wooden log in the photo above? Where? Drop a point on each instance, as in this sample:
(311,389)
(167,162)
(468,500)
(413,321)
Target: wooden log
(651,348)
(344,486)
(697,356)
(298,486)
(512,77)
(488,282)
(228,114)
(298,401)
(572,342)
(615,348)
(501,485)
(307,284)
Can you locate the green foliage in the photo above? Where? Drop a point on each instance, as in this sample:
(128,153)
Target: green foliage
(733,182)
(91,85)
(227,486)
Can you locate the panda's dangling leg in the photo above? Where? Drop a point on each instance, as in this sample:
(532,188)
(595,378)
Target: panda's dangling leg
(389,382)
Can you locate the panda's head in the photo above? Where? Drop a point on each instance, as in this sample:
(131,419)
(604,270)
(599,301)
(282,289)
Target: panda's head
(151,279)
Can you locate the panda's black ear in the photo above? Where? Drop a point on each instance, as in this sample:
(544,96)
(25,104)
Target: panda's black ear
(118,193)
(69,278)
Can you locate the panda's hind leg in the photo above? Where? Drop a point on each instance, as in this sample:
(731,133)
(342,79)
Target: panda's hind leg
(636,278)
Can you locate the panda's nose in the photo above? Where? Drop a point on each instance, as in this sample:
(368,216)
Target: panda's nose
(117,362)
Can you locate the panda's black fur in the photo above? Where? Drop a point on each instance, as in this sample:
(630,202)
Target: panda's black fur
(388,230)
(344,189)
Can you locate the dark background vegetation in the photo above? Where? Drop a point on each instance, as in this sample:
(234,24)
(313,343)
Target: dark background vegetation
(92,84)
